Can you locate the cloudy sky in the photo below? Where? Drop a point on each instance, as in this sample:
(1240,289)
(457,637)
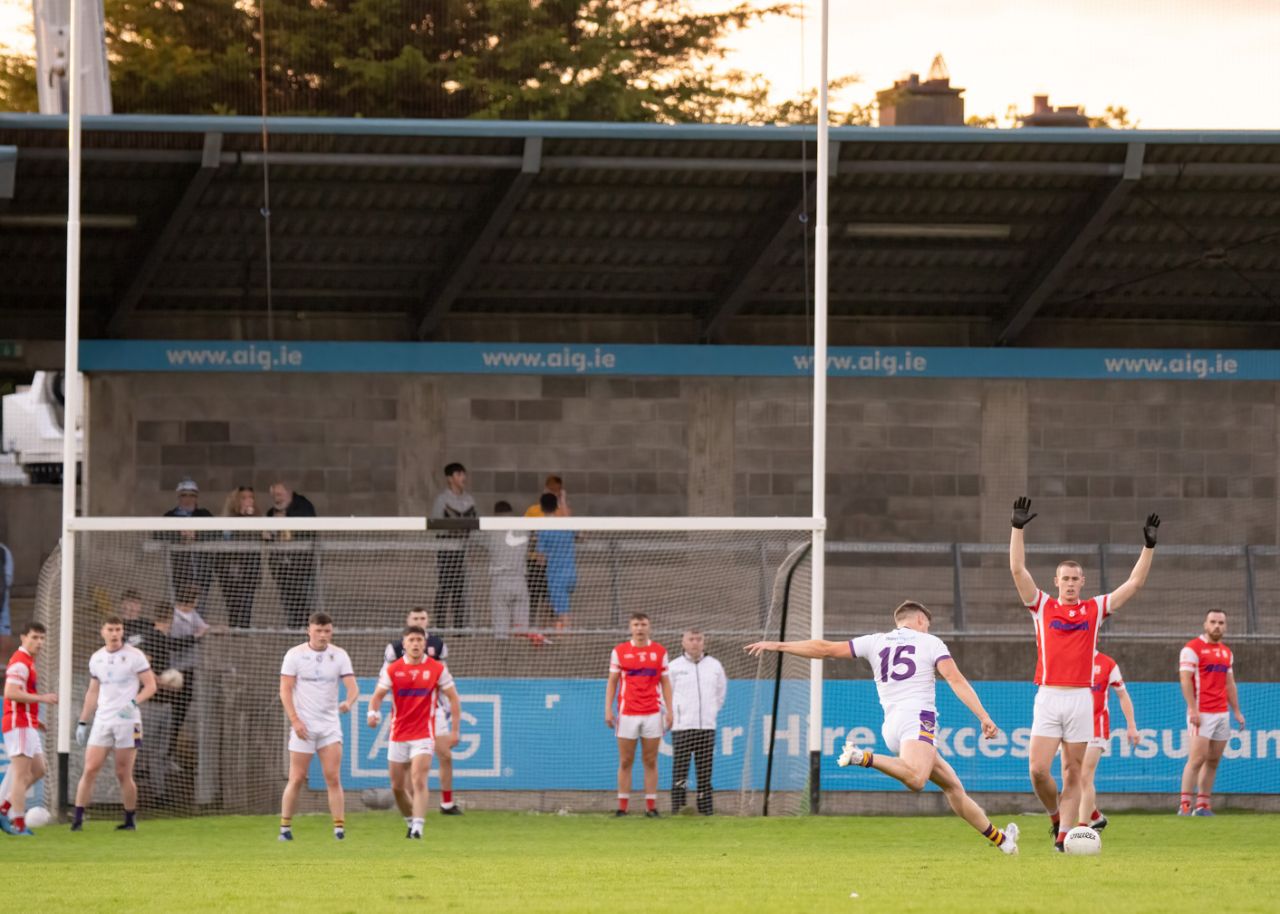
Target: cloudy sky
(1172,63)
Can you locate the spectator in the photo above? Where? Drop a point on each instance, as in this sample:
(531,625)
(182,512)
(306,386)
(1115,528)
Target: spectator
(178,636)
(240,568)
(292,567)
(559,554)
(188,566)
(536,571)
(136,628)
(508,593)
(6,585)
(453,503)
(698,687)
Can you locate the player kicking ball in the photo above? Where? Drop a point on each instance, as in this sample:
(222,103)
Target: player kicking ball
(120,680)
(415,682)
(309,678)
(905,663)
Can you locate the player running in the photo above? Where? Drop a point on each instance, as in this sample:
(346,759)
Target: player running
(23,736)
(1206,668)
(1066,642)
(1106,676)
(905,664)
(415,682)
(640,665)
(309,678)
(120,680)
(436,650)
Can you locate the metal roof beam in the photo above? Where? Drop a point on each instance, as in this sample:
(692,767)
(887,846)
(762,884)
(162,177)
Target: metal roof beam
(770,239)
(163,240)
(1071,247)
(428,318)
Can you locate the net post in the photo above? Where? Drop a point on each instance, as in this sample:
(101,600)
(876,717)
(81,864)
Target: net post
(819,413)
(74,396)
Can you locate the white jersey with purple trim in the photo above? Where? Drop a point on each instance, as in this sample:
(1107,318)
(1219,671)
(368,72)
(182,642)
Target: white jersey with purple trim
(117,673)
(903,662)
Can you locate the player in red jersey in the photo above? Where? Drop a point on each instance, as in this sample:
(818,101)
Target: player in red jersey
(637,668)
(1106,677)
(1066,641)
(1206,668)
(23,731)
(415,682)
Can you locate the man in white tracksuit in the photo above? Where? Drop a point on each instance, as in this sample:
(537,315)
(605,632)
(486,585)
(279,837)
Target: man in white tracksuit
(698,687)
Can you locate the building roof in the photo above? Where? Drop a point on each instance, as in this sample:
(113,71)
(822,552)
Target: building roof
(421,223)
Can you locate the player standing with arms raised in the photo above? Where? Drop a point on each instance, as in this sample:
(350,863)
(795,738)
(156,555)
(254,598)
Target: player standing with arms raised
(1106,676)
(120,680)
(637,669)
(1066,642)
(905,663)
(415,682)
(23,731)
(1206,668)
(309,678)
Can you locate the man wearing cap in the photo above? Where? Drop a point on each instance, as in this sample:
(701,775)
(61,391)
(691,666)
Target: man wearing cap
(186,565)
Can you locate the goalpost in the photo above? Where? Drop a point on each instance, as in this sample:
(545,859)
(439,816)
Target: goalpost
(533,734)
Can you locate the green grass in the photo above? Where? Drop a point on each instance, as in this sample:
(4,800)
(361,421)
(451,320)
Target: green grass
(532,863)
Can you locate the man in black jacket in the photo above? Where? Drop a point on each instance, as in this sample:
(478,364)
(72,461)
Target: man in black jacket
(292,560)
(189,566)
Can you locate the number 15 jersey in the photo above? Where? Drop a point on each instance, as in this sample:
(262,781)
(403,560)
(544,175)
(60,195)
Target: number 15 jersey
(903,662)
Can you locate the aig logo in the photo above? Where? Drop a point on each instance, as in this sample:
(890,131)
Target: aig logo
(477,754)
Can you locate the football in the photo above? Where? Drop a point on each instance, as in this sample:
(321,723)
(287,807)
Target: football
(1083,841)
(170,679)
(38,817)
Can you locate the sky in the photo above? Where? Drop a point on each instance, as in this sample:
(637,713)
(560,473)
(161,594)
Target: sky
(1175,64)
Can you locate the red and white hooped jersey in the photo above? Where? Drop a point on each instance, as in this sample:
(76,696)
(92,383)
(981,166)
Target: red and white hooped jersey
(1067,639)
(641,670)
(1106,675)
(1210,663)
(414,688)
(22,670)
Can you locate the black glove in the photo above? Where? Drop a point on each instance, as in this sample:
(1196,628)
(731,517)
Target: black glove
(1149,531)
(1022,513)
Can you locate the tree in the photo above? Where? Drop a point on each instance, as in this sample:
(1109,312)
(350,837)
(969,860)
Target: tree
(1116,117)
(608,60)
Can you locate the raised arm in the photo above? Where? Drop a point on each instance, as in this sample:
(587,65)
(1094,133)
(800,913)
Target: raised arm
(1138,577)
(814,650)
(948,670)
(1018,551)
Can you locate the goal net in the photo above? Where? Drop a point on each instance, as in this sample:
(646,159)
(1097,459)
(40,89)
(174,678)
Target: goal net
(529,615)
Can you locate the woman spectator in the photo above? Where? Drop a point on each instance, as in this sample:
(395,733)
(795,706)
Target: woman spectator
(240,567)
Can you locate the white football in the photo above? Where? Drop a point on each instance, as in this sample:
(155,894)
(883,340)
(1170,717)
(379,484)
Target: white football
(38,817)
(1082,841)
(170,679)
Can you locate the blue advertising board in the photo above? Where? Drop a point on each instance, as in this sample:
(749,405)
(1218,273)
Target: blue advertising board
(549,734)
(676,361)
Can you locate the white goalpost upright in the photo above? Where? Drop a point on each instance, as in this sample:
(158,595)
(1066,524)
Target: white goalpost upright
(818,554)
(74,388)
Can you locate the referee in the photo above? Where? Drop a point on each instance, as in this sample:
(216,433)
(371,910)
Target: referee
(698,686)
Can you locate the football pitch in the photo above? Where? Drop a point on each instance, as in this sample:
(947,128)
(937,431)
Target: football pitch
(531,863)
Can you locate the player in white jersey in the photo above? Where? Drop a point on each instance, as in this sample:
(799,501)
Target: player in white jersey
(120,680)
(903,664)
(309,678)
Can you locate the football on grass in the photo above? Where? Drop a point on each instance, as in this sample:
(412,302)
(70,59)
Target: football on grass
(1083,842)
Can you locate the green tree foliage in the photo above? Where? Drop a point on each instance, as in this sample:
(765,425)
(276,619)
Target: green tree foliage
(606,60)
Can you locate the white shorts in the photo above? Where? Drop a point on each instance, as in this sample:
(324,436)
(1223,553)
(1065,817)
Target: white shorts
(27,741)
(635,726)
(116,733)
(404,750)
(1065,714)
(317,738)
(908,723)
(1216,726)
